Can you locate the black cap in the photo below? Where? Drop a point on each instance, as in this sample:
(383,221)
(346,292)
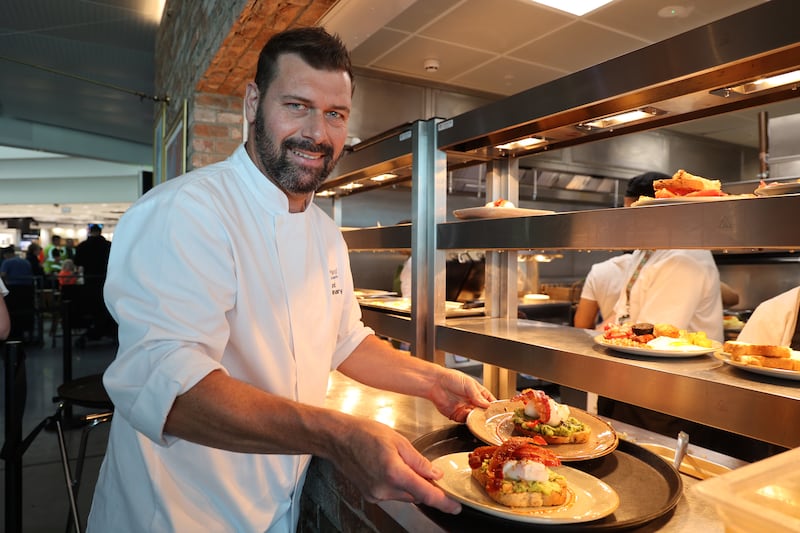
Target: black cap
(642,185)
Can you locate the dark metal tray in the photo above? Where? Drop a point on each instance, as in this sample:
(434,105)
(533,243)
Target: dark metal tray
(648,487)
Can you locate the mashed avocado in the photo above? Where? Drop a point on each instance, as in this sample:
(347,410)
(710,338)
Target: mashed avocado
(564,429)
(545,487)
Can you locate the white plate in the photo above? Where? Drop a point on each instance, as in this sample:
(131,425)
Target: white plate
(772,372)
(681,351)
(778,188)
(452,309)
(589,498)
(498,212)
(373,293)
(687,200)
(495,424)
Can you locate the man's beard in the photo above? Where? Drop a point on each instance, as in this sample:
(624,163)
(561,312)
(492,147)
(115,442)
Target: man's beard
(289,176)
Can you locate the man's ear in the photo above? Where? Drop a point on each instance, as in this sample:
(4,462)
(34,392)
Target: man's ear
(251,98)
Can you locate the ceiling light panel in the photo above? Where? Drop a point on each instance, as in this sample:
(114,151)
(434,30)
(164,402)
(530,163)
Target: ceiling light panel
(575,7)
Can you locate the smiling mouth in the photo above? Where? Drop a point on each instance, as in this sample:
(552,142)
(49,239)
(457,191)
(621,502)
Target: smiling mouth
(310,157)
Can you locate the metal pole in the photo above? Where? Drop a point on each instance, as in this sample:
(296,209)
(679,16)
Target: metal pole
(763,145)
(15,386)
(66,352)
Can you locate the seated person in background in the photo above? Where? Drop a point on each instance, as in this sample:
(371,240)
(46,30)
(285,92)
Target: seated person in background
(5,321)
(32,256)
(68,275)
(774,321)
(601,291)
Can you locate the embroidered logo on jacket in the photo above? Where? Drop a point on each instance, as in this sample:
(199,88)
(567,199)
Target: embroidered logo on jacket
(334,272)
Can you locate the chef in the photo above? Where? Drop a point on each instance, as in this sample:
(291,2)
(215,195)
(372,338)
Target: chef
(235,301)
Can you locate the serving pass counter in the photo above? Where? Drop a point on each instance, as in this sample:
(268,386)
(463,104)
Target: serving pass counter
(331,502)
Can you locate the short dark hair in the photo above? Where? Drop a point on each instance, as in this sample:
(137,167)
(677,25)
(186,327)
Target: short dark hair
(642,185)
(314,45)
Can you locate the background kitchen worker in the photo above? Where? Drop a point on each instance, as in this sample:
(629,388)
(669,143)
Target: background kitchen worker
(600,291)
(235,300)
(682,288)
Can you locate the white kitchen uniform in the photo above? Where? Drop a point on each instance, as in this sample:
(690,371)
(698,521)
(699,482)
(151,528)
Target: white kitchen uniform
(678,287)
(210,271)
(773,321)
(3,289)
(604,283)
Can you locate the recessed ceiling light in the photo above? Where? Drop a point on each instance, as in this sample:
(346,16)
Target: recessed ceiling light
(576,7)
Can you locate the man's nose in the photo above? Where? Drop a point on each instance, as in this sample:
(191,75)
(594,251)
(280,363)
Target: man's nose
(314,127)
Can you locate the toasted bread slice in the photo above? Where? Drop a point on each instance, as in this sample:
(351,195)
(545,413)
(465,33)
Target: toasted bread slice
(736,348)
(508,496)
(683,182)
(780,363)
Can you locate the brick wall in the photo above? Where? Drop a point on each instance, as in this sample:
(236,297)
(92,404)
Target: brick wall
(215,126)
(331,503)
(206,51)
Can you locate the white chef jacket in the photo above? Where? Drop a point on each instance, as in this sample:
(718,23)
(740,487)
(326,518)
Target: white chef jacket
(210,271)
(3,290)
(678,287)
(604,283)
(773,321)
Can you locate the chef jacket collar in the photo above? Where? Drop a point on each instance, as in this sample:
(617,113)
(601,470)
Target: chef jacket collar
(273,198)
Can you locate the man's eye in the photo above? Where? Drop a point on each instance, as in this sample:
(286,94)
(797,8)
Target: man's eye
(296,106)
(335,115)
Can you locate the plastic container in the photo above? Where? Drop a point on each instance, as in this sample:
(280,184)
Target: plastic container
(762,496)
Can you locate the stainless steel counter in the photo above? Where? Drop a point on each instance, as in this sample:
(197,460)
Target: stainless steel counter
(414,417)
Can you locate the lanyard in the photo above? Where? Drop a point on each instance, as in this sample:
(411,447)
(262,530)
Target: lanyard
(645,257)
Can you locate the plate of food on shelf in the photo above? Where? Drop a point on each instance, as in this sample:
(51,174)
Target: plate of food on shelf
(521,481)
(570,433)
(684,187)
(765,359)
(732,323)
(499,208)
(777,188)
(656,340)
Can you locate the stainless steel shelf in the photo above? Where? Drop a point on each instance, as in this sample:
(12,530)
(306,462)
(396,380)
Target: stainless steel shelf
(389,324)
(750,224)
(396,237)
(701,389)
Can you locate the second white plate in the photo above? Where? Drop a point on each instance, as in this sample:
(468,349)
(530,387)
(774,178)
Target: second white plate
(495,424)
(764,371)
(498,212)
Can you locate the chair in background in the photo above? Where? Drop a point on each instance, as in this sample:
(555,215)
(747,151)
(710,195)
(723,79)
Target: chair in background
(88,392)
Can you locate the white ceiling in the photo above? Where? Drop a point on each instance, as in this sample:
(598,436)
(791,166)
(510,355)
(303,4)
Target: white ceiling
(491,47)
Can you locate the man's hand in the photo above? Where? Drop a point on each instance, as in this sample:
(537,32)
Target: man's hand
(455,394)
(385,466)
